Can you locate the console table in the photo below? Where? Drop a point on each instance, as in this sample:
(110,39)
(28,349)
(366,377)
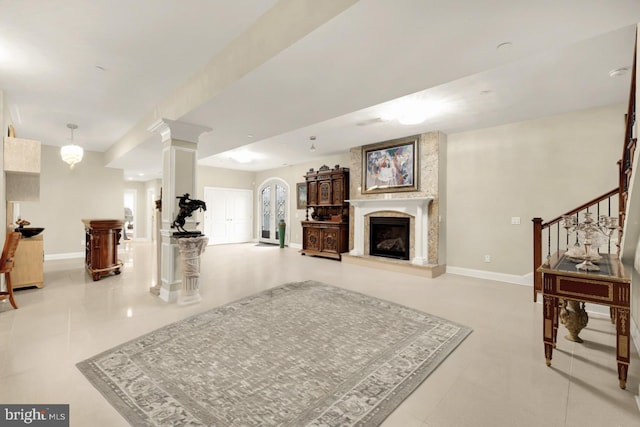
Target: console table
(102,238)
(611,286)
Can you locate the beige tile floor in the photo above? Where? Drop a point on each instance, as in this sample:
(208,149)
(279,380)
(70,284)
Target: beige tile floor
(496,377)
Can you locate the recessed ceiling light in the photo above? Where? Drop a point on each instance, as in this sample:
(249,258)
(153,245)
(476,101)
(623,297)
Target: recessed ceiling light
(140,174)
(250,135)
(618,72)
(503,47)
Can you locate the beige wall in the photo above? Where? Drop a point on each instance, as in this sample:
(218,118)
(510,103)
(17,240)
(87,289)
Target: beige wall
(538,168)
(89,190)
(292,175)
(223,178)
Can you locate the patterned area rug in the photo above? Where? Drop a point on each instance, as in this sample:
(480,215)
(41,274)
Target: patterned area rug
(301,354)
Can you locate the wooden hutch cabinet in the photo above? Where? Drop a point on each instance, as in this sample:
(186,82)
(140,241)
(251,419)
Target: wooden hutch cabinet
(327,233)
(102,238)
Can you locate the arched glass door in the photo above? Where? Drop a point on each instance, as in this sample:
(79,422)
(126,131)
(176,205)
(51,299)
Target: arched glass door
(274,199)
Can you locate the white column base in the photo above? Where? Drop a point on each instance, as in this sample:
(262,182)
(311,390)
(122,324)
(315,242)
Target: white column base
(189,299)
(419,261)
(171,282)
(355,252)
(169,296)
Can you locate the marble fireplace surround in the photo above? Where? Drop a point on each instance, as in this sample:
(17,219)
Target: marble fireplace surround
(416,207)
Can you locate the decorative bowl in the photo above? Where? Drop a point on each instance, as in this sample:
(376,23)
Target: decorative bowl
(29,231)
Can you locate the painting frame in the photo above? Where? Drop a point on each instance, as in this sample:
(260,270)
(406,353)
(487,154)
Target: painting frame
(390,166)
(301,195)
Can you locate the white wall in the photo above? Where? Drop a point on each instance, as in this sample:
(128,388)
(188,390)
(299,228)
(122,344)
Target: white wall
(538,168)
(67,196)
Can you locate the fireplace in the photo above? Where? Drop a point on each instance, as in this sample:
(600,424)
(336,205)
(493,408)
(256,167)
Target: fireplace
(389,237)
(416,207)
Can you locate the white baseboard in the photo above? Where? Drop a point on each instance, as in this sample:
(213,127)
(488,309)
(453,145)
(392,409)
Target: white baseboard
(68,255)
(295,245)
(526,280)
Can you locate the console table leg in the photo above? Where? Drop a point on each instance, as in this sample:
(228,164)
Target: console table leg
(622,374)
(622,344)
(557,302)
(549,326)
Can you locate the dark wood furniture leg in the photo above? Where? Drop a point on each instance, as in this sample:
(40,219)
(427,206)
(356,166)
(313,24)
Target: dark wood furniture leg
(549,330)
(622,344)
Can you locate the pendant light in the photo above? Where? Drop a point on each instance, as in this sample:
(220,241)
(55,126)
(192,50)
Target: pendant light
(72,153)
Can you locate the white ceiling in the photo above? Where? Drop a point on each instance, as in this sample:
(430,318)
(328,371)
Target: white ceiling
(335,83)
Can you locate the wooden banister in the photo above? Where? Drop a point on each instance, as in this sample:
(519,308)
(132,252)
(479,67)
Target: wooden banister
(582,207)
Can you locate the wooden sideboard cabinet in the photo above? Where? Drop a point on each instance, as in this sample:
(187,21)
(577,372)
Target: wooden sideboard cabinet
(28,263)
(102,237)
(327,234)
(324,238)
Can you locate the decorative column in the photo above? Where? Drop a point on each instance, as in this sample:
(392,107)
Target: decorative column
(190,250)
(179,164)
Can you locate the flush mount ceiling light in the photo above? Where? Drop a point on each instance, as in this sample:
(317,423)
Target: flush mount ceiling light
(72,153)
(619,72)
(312,147)
(412,111)
(504,47)
(242,156)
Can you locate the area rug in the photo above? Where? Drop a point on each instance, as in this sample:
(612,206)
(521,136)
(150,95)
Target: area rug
(301,354)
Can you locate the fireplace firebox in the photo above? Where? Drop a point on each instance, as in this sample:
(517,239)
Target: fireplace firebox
(389,237)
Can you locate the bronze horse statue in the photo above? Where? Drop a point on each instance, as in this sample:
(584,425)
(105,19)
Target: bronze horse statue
(187,207)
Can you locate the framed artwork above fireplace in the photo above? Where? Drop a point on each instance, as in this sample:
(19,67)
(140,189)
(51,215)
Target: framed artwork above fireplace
(391,166)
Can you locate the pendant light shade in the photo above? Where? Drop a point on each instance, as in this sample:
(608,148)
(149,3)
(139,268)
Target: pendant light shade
(72,153)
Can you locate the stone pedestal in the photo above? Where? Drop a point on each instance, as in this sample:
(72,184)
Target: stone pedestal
(190,250)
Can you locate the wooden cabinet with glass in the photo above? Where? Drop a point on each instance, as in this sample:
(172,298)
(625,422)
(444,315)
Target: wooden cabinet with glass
(326,234)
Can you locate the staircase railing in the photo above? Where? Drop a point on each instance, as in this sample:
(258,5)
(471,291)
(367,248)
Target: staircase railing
(551,234)
(603,205)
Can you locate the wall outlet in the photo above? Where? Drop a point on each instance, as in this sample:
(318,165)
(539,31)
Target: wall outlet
(487,258)
(515,220)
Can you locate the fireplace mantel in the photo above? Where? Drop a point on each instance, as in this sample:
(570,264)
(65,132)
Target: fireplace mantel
(414,206)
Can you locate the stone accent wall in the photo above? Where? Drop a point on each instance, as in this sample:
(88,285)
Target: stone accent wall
(429,147)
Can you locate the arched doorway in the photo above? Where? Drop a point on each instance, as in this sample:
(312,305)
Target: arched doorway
(273,205)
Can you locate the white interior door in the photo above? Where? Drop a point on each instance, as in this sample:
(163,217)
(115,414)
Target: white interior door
(228,216)
(274,203)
